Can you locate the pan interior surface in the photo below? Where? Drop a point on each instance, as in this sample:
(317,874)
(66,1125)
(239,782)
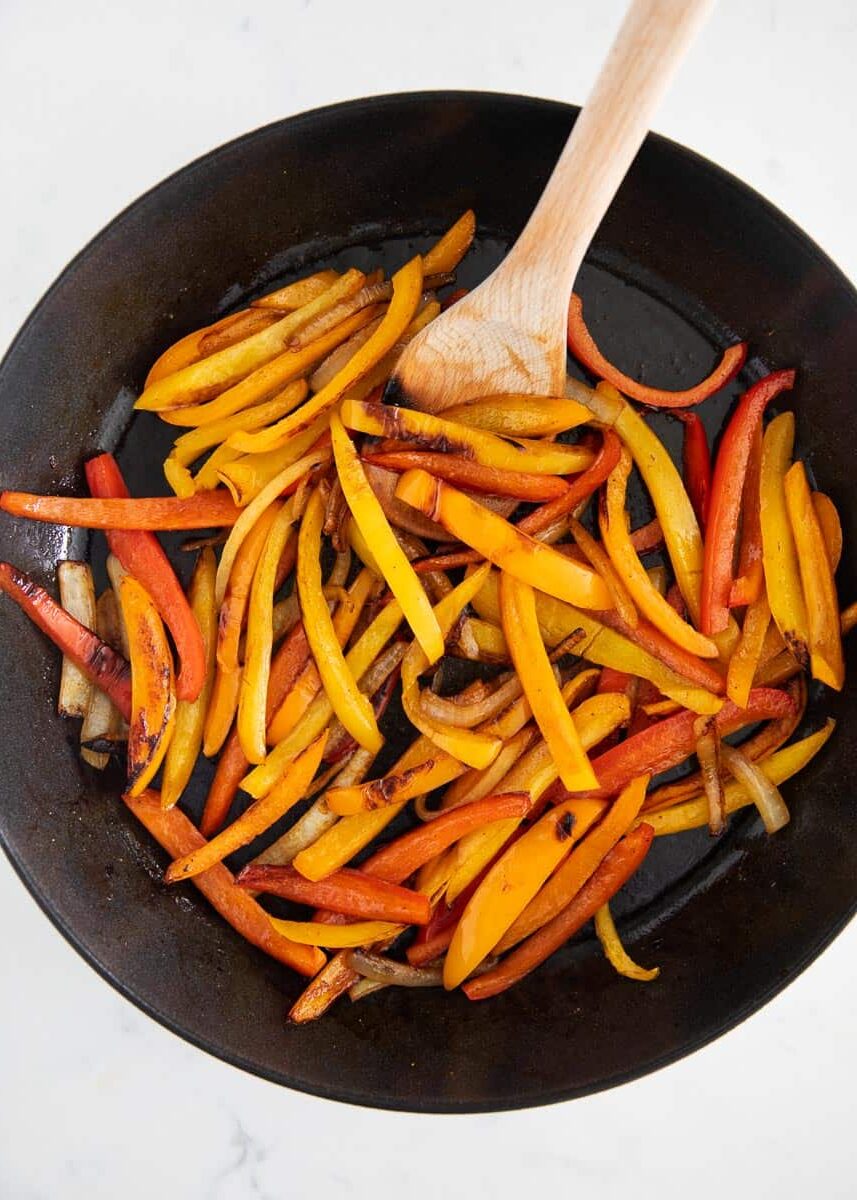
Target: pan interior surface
(686,260)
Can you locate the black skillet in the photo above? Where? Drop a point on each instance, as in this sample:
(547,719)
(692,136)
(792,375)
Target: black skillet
(686,258)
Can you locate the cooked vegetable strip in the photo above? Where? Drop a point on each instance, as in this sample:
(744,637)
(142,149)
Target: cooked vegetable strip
(831,527)
(476,478)
(120,512)
(748,583)
(615,952)
(816,573)
(295,295)
(222,708)
(709,759)
(315,933)
(745,659)
(102,719)
(614,532)
(584,349)
(353,893)
(520,416)
(233,608)
(448,251)
(696,465)
(782,571)
(616,869)
(256,819)
(153,698)
(186,742)
(600,562)
(246,474)
(394,788)
(766,797)
(524,639)
(446,437)
(172,829)
(252,698)
(727,486)
(77,595)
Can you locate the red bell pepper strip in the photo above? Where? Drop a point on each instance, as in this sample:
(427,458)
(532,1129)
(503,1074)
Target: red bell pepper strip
(697,670)
(454,297)
(727,486)
(647,537)
(748,585)
(142,555)
(582,346)
(474,476)
(346,891)
(696,465)
(615,871)
(206,510)
(99,662)
(580,488)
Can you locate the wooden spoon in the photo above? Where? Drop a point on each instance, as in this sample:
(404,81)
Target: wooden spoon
(508,335)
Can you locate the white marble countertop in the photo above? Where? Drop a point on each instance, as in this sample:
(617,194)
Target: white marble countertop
(98,101)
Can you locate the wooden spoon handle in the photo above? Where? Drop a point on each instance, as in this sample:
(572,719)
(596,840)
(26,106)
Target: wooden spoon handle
(607,135)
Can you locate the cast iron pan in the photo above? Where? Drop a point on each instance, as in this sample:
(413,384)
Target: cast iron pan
(686,258)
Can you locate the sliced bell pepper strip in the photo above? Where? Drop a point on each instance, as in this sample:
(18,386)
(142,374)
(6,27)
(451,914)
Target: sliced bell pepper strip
(233,609)
(616,869)
(99,662)
(819,589)
(520,416)
(319,933)
(831,527)
(295,295)
(178,836)
(388,554)
(473,785)
(585,859)
(778,768)
(503,544)
(252,697)
(255,820)
(473,476)
(745,659)
(782,570)
(751,575)
(696,465)
(222,708)
(153,697)
(524,639)
(202,380)
(448,251)
(205,511)
(247,474)
(615,952)
(614,533)
(392,789)
(582,346)
(727,486)
(353,893)
(580,488)
(186,742)
(600,561)
(142,555)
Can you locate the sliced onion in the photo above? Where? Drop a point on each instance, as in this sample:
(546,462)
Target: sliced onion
(389,972)
(370,293)
(342,355)
(708,754)
(772,807)
(465,714)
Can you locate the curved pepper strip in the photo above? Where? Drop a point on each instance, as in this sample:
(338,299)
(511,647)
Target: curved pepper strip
(153,698)
(448,251)
(615,952)
(122,512)
(517,416)
(472,476)
(696,465)
(745,659)
(727,486)
(782,571)
(233,609)
(748,583)
(582,346)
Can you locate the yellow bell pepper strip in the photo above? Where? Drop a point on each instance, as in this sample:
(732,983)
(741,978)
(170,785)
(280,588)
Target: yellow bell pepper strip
(501,543)
(387,553)
(582,346)
(520,416)
(512,882)
(186,742)
(407,292)
(614,532)
(831,527)
(778,768)
(153,694)
(202,380)
(601,646)
(782,571)
(615,952)
(256,819)
(745,659)
(727,486)
(350,705)
(848,618)
(222,708)
(601,562)
(819,590)
(295,295)
(524,639)
(233,609)
(252,697)
(448,251)
(179,837)
(246,474)
(447,437)
(336,937)
(564,885)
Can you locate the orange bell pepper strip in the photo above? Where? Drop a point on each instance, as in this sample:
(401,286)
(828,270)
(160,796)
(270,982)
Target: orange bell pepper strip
(521,416)
(153,697)
(186,742)
(584,860)
(831,527)
(206,511)
(256,819)
(418,780)
(579,489)
(178,836)
(448,251)
(747,654)
(727,486)
(614,872)
(524,639)
(751,575)
(295,295)
(600,561)
(447,437)
(141,554)
(503,544)
(782,570)
(388,554)
(614,533)
(222,708)
(352,893)
(473,476)
(819,589)
(233,609)
(582,346)
(101,664)
(696,465)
